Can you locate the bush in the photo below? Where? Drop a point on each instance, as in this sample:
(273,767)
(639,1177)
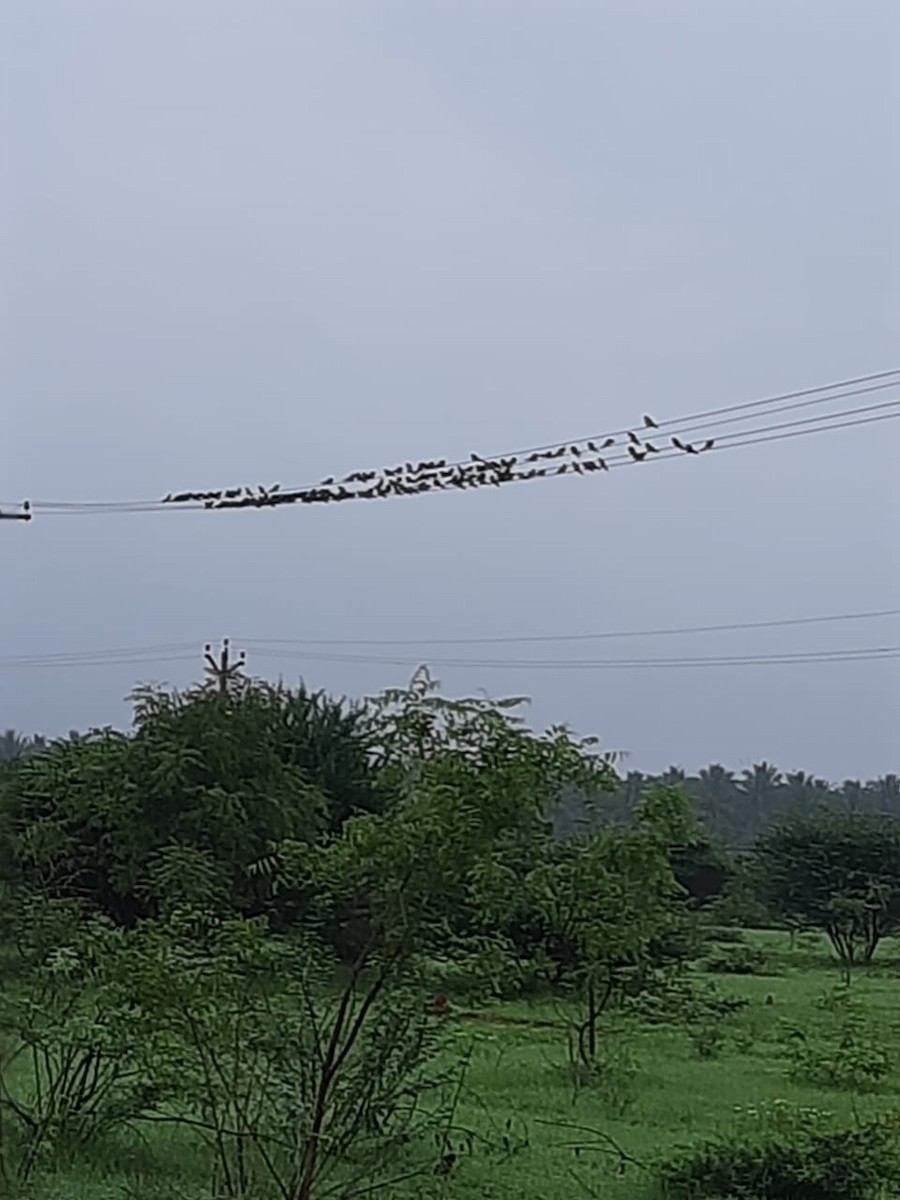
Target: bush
(847,1057)
(784,1153)
(672,1001)
(736,960)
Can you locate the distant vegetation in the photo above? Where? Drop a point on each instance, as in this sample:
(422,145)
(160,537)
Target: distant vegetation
(268,943)
(736,808)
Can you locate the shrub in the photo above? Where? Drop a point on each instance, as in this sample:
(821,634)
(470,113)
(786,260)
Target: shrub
(784,1153)
(736,960)
(674,1000)
(848,1057)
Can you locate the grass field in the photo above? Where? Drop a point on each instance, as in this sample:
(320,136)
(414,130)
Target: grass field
(664,1085)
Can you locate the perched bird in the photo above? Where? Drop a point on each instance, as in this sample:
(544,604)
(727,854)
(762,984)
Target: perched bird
(678,445)
(649,422)
(562,470)
(576,450)
(691,449)
(610,441)
(652,449)
(633,438)
(602,464)
(708,444)
(637,455)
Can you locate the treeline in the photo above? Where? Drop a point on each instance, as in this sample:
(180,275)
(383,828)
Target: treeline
(736,809)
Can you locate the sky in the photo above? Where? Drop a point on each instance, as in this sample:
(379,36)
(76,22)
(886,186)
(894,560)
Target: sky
(256,242)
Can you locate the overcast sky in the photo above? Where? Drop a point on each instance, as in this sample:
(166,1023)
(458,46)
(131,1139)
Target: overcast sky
(256,242)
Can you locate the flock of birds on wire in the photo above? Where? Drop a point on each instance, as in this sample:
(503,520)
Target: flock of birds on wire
(411,479)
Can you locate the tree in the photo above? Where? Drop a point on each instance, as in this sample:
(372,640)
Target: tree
(759,789)
(14,745)
(604,898)
(230,776)
(835,871)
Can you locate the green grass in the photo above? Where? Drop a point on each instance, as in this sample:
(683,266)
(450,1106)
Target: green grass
(517,1085)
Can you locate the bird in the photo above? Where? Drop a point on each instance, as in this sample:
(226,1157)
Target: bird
(602,464)
(576,450)
(678,445)
(649,422)
(708,444)
(610,441)
(652,449)
(562,470)
(637,455)
(691,449)
(633,438)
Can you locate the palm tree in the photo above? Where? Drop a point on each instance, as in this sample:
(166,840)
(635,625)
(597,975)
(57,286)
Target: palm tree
(13,745)
(885,793)
(717,795)
(853,796)
(760,786)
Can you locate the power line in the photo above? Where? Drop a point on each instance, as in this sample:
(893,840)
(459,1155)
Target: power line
(793,658)
(742,438)
(580,637)
(182,651)
(479,469)
(863,654)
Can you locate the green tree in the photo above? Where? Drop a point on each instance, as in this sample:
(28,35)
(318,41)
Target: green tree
(229,775)
(604,898)
(835,871)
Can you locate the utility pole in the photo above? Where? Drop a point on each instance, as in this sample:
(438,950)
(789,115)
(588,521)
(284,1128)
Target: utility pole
(223,673)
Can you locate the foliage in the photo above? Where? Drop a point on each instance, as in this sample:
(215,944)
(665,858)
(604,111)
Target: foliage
(838,872)
(605,899)
(783,1153)
(675,1000)
(848,1055)
(225,776)
(736,960)
(76,1028)
(288,1082)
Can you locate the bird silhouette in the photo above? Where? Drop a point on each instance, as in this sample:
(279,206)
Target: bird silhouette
(677,444)
(649,422)
(576,450)
(652,449)
(691,449)
(708,444)
(637,455)
(633,438)
(562,470)
(610,441)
